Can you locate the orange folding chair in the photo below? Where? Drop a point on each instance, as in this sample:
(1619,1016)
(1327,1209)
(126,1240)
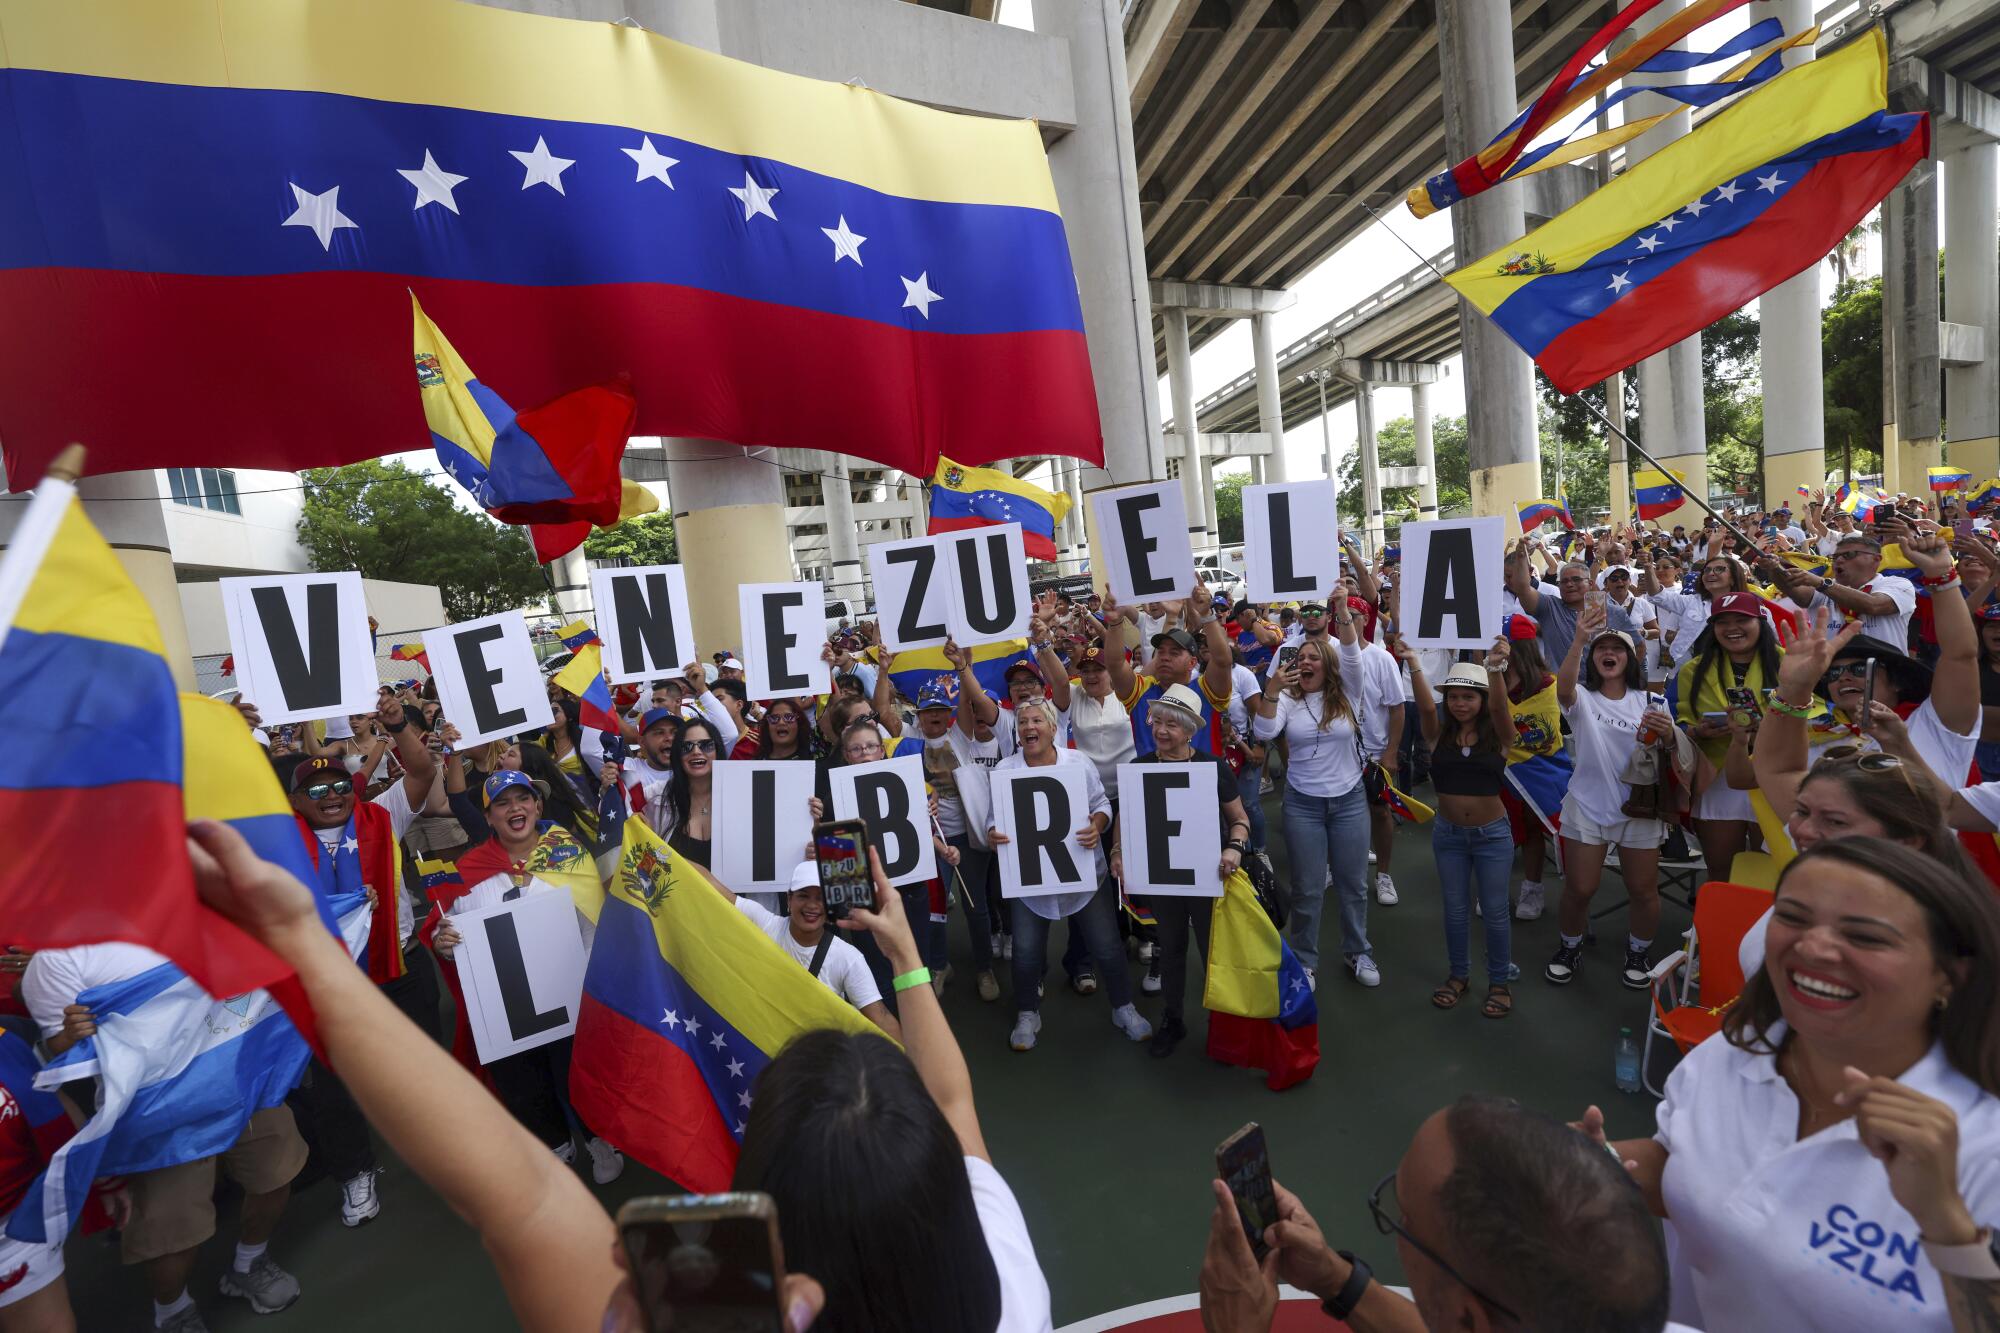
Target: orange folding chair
(1687,1011)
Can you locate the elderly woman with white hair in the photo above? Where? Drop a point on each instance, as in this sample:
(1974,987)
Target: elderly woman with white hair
(1089,910)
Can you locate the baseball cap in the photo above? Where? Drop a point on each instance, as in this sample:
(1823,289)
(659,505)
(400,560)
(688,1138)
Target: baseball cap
(936,693)
(654,716)
(1312,608)
(512,777)
(1518,627)
(1094,656)
(805,876)
(1022,664)
(318,765)
(1736,604)
(1180,638)
(1619,635)
(1183,699)
(731,664)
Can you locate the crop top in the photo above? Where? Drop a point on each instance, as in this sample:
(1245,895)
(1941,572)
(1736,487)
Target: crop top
(1454,773)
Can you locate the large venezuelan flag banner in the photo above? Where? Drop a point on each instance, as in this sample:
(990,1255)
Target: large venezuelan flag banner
(216,211)
(1761,191)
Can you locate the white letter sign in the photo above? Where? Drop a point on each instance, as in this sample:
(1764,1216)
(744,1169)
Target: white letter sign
(1451,582)
(889,795)
(989,586)
(784,628)
(1169,836)
(912,592)
(488,682)
(1040,810)
(642,616)
(521,965)
(763,805)
(1291,541)
(1142,536)
(301,644)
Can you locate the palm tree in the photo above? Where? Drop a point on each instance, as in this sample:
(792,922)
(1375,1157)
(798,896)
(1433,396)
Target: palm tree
(1846,256)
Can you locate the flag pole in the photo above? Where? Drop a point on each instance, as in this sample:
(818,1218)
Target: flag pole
(1688,493)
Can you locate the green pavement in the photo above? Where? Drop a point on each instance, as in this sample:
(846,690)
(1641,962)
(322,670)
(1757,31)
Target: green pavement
(1108,1149)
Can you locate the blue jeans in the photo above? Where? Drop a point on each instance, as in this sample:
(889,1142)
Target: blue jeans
(1323,831)
(973,865)
(1468,860)
(1096,922)
(1249,785)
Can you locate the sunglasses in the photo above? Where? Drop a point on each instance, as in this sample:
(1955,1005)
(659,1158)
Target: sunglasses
(1389,1226)
(1868,761)
(319,791)
(705,746)
(1844,670)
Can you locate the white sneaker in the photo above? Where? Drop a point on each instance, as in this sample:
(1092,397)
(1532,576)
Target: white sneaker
(1365,970)
(606,1162)
(1530,906)
(1385,889)
(994,938)
(1371,858)
(1128,1020)
(1026,1026)
(358,1201)
(1312,979)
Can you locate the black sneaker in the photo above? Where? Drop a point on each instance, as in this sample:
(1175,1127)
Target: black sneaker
(1167,1035)
(1637,968)
(1562,968)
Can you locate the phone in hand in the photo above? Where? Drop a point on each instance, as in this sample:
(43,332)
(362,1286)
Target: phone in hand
(1243,1164)
(1287,656)
(705,1263)
(1867,697)
(844,881)
(1744,708)
(1962,526)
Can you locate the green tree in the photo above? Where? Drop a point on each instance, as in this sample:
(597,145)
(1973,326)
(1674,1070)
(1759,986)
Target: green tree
(645,540)
(1396,446)
(1851,359)
(386,522)
(1229,507)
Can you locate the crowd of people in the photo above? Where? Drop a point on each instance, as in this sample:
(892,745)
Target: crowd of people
(1793,700)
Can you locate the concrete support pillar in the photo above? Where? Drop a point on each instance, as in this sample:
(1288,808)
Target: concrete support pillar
(1476,59)
(1371,472)
(1270,406)
(1794,394)
(1420,411)
(843,539)
(1621,468)
(569,584)
(1910,327)
(1972,298)
(729,527)
(1072,482)
(1670,404)
(1180,383)
(1097,184)
(1209,527)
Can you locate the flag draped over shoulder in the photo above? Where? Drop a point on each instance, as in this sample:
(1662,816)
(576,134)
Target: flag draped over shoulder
(976,497)
(1760,191)
(684,1003)
(1261,1007)
(574,200)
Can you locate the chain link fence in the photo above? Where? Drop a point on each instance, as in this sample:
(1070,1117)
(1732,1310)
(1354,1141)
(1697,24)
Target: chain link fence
(210,678)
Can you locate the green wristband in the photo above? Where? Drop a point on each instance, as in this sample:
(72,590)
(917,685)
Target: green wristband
(911,980)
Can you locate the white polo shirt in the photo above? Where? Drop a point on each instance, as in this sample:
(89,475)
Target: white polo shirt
(1768,1232)
(1892,629)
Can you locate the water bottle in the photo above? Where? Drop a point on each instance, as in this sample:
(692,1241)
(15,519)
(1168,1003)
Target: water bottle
(1625,1061)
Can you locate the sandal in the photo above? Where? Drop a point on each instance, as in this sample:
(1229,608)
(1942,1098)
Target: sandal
(1499,1002)
(1448,995)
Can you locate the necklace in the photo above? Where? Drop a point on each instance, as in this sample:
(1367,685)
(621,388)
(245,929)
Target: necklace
(1814,1115)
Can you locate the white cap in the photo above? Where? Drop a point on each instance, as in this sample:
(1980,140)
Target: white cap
(806,876)
(1604,575)
(731,664)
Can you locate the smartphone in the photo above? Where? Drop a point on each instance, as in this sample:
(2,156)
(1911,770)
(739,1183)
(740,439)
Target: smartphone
(1867,697)
(844,881)
(1963,527)
(1286,656)
(705,1263)
(1742,699)
(1245,1167)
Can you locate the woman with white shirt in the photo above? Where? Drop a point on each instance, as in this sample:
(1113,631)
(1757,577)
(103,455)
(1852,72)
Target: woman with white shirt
(1325,802)
(1089,911)
(1833,1161)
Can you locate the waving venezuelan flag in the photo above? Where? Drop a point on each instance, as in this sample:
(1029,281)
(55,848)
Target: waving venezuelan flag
(1761,191)
(221,207)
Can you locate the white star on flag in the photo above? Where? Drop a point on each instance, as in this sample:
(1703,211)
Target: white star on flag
(756,198)
(1695,209)
(917,292)
(1619,282)
(741,1126)
(718,1041)
(1649,243)
(736,1069)
(434,184)
(321,212)
(846,245)
(672,1019)
(1727,193)
(693,1025)
(351,845)
(743,1098)
(653,164)
(1770,182)
(543,167)
(1668,224)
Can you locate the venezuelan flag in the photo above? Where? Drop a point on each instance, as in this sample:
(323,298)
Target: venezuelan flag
(1536,512)
(917,667)
(1655,494)
(583,676)
(976,497)
(1261,1007)
(575,198)
(109,732)
(1948,478)
(554,469)
(1984,496)
(1861,505)
(578,633)
(1759,192)
(684,1004)
(411,652)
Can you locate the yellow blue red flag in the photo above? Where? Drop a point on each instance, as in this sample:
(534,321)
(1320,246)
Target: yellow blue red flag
(1261,1007)
(976,497)
(1760,191)
(1656,494)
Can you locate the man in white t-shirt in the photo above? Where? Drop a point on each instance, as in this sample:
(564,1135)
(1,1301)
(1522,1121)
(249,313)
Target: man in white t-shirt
(805,934)
(1858,591)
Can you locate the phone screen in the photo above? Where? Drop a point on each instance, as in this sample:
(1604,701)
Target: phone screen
(844,881)
(1287,655)
(1867,698)
(1963,527)
(1245,1167)
(707,1275)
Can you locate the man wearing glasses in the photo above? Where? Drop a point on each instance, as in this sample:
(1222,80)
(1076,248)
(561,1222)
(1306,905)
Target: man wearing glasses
(1503,1219)
(1857,591)
(1557,615)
